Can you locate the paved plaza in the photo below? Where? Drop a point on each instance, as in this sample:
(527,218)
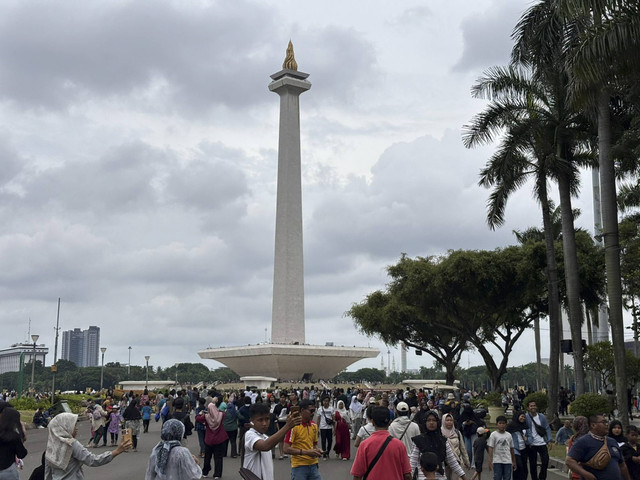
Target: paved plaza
(133,465)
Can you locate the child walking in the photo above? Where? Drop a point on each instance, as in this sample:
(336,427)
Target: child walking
(501,457)
(114,425)
(479,447)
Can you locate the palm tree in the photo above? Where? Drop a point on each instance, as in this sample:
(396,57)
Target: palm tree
(518,107)
(607,50)
(542,36)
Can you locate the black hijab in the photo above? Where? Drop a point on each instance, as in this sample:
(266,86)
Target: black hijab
(432,441)
(515,425)
(132,412)
(618,438)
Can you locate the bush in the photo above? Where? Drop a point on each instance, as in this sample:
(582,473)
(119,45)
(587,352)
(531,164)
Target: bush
(589,404)
(541,399)
(29,403)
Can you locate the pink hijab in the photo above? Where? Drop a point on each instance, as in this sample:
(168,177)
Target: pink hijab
(214,419)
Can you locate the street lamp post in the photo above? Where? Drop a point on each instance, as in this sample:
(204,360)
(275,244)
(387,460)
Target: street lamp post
(146,385)
(129,364)
(102,349)
(33,360)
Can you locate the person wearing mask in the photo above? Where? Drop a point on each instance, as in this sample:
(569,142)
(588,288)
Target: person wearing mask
(65,456)
(169,460)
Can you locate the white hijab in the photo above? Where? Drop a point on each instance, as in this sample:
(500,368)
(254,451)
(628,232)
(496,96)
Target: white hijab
(59,444)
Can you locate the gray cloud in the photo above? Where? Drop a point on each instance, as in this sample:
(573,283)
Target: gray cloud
(487,36)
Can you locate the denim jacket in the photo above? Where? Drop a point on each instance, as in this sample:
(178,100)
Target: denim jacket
(543,423)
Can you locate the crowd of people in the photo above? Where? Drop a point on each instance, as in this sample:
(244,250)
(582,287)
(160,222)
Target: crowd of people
(404,434)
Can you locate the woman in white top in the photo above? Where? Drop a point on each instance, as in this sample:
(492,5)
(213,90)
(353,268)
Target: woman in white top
(366,430)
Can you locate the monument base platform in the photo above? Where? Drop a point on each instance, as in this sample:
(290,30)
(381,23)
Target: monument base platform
(289,362)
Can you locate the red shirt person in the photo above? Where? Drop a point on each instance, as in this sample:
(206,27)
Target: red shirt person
(392,464)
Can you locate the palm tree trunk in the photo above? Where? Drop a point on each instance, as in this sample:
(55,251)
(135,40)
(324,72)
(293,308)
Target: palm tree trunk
(554,298)
(572,279)
(612,250)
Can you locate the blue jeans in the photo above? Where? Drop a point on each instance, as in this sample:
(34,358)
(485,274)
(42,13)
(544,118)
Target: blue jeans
(502,471)
(201,434)
(306,472)
(468,443)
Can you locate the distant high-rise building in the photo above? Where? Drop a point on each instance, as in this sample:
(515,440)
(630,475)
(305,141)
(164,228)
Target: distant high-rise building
(81,346)
(91,346)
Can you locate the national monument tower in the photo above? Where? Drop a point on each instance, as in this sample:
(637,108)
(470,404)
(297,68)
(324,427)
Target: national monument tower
(287,356)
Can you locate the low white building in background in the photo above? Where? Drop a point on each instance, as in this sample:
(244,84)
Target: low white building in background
(10,357)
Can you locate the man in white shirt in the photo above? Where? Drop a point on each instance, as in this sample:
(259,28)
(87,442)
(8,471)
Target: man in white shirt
(257,444)
(403,428)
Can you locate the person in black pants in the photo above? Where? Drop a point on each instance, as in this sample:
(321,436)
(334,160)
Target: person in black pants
(538,442)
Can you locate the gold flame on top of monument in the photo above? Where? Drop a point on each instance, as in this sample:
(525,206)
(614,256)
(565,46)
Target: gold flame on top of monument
(290,61)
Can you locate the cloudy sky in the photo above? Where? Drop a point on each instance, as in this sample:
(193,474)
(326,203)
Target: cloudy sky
(138,144)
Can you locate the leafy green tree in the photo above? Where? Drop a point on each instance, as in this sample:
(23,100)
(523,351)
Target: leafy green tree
(405,311)
(485,298)
(599,359)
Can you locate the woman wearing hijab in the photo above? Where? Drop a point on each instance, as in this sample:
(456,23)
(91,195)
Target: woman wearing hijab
(518,430)
(132,420)
(433,441)
(215,439)
(11,437)
(581,427)
(455,441)
(231,424)
(343,444)
(169,459)
(615,432)
(65,455)
(468,424)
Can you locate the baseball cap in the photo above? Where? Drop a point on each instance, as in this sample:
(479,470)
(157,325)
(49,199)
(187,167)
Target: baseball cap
(402,407)
(481,430)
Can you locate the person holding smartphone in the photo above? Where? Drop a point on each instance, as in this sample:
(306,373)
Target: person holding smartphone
(257,444)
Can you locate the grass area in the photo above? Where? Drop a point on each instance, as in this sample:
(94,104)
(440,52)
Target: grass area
(26,416)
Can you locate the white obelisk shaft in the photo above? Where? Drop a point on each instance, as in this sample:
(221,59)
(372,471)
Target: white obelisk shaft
(287,321)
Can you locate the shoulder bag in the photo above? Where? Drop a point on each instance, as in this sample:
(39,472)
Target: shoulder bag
(601,458)
(377,457)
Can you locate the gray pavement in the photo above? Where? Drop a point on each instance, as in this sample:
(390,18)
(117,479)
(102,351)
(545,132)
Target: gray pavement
(133,465)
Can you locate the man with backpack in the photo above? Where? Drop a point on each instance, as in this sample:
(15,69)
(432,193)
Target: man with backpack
(403,428)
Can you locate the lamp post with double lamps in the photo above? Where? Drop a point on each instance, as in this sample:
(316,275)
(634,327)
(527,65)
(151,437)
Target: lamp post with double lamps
(33,360)
(102,349)
(146,385)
